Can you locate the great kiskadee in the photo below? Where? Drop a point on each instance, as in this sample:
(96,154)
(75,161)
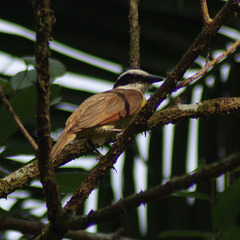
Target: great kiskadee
(101,117)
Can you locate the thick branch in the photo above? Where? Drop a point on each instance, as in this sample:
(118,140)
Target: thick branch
(133,201)
(26,174)
(159,192)
(172,114)
(205,109)
(35,227)
(45,19)
(167,88)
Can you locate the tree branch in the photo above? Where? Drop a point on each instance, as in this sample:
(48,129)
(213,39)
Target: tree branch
(208,65)
(204,109)
(205,13)
(147,111)
(35,227)
(46,169)
(45,20)
(29,172)
(134,51)
(18,121)
(157,193)
(133,201)
(172,114)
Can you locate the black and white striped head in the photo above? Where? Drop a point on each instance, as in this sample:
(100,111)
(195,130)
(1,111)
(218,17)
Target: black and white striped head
(136,79)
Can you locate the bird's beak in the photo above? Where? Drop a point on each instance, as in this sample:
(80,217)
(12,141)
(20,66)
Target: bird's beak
(154,79)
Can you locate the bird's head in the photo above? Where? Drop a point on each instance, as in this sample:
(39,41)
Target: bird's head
(136,79)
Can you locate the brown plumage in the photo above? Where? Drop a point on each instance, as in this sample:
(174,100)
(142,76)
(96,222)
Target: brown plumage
(100,117)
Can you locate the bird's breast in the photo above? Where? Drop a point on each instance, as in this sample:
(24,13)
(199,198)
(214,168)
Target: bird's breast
(102,134)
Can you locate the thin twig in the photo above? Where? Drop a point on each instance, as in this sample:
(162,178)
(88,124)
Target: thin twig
(208,65)
(134,51)
(205,13)
(18,121)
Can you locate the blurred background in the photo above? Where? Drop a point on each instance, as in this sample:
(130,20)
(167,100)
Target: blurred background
(90,48)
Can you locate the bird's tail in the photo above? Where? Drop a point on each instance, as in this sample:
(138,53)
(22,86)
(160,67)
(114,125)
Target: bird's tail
(62,141)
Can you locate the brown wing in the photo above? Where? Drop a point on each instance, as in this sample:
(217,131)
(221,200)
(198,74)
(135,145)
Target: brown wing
(99,109)
(105,108)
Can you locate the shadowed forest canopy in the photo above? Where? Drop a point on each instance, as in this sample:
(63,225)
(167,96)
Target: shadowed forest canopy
(174,173)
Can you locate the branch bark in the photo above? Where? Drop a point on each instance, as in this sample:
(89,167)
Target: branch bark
(35,227)
(208,66)
(131,202)
(138,126)
(172,114)
(205,13)
(147,111)
(157,193)
(45,20)
(29,172)
(134,51)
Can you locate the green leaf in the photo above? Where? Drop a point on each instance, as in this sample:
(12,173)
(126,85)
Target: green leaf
(24,104)
(231,234)
(27,78)
(56,67)
(29,60)
(3,212)
(6,86)
(176,233)
(226,209)
(23,79)
(68,182)
(197,195)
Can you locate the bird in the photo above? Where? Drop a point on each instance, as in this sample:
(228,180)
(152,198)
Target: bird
(102,117)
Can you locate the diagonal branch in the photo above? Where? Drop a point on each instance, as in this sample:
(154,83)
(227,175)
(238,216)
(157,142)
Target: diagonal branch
(156,193)
(29,172)
(160,95)
(172,114)
(18,121)
(208,66)
(226,105)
